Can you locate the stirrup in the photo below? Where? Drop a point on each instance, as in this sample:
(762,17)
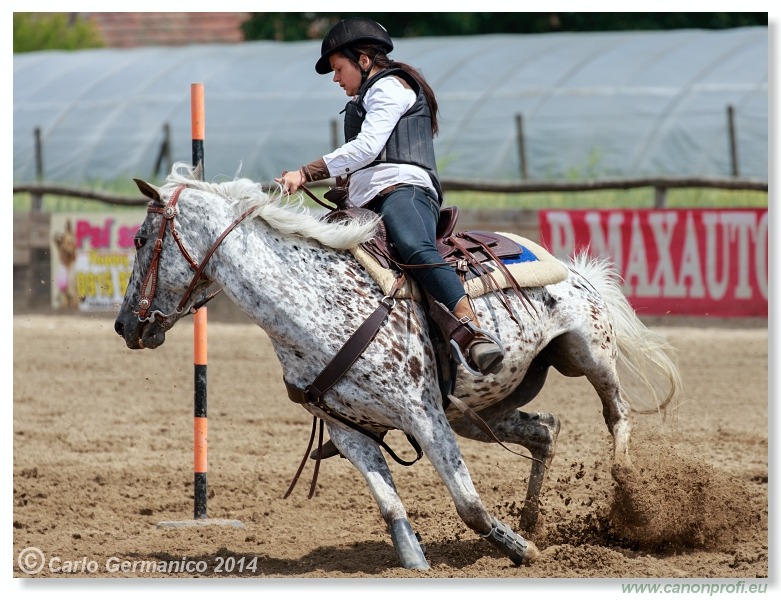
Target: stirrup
(459,357)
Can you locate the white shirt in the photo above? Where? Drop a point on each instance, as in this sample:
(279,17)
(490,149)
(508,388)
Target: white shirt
(385,103)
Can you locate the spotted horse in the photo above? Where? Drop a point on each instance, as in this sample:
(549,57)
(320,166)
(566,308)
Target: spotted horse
(297,277)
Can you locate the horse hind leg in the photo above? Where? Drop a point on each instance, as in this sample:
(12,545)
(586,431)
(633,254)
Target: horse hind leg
(366,456)
(616,413)
(537,432)
(573,356)
(635,504)
(439,444)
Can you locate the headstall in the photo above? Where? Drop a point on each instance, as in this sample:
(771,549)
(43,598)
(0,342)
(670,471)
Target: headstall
(149,285)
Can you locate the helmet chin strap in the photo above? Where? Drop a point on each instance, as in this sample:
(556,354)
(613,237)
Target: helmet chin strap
(350,53)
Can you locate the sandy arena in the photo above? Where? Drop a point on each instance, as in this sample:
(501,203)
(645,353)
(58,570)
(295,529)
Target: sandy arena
(103,453)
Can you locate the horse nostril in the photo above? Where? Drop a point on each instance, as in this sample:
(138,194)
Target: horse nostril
(119,327)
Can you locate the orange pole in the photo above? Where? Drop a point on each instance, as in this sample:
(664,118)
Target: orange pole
(197,111)
(200,428)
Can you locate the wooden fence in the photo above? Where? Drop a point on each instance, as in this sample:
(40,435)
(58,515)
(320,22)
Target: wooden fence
(32,237)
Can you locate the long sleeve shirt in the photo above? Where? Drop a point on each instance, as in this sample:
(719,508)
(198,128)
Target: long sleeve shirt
(385,103)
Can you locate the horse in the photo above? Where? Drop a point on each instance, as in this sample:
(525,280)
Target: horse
(292,273)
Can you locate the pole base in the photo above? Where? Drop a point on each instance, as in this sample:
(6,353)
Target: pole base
(204,523)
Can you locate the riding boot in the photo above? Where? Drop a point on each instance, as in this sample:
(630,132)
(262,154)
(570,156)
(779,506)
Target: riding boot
(483,351)
(474,348)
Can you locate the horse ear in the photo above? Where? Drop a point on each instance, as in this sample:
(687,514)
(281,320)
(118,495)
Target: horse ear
(149,190)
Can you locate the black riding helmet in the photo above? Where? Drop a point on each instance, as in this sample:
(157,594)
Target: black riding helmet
(351,32)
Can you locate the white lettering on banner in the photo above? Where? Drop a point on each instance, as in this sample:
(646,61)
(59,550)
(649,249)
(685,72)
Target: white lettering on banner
(562,241)
(691,266)
(613,246)
(664,268)
(717,286)
(637,263)
(740,226)
(760,252)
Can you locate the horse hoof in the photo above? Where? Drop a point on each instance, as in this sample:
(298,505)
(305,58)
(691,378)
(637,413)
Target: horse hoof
(531,554)
(529,520)
(509,543)
(408,547)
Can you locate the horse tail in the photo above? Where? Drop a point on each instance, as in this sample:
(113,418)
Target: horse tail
(646,361)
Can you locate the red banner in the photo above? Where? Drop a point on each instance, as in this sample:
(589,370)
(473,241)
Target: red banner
(677,261)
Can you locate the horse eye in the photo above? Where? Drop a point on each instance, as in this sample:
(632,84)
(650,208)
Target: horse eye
(139,242)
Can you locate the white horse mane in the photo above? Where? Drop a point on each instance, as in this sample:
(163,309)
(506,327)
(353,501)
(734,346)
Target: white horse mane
(286,214)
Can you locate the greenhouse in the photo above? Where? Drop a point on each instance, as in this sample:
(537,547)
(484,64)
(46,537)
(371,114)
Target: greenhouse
(538,107)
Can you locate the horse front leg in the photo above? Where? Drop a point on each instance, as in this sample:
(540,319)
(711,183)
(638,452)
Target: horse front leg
(366,456)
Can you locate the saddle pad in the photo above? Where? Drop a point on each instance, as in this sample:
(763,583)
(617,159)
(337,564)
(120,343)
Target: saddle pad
(534,266)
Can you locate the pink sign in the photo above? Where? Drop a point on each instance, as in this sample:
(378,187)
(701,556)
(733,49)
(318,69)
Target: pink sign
(676,261)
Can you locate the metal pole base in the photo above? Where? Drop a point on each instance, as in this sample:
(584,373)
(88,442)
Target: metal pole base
(203,523)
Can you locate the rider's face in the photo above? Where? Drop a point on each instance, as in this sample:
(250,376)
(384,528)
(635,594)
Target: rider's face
(346,73)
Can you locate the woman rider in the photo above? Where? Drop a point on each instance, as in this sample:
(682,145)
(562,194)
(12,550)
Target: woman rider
(389,160)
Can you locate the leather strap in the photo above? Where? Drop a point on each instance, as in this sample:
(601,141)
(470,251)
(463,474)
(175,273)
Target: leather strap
(315,198)
(313,394)
(482,425)
(199,271)
(351,351)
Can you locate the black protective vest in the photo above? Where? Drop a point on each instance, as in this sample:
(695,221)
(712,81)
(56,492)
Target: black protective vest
(411,142)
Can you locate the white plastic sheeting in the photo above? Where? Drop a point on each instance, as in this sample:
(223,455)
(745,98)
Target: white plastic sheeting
(593,105)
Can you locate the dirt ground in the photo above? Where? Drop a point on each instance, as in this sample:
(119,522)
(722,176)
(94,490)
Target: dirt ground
(102,453)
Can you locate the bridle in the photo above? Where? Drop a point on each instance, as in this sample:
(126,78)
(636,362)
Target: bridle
(149,285)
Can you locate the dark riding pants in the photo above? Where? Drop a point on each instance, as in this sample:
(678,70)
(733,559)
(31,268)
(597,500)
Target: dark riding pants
(410,214)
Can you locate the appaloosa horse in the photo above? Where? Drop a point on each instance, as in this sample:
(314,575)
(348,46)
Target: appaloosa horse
(292,273)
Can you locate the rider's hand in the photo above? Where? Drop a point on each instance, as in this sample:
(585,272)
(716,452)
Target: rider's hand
(291,181)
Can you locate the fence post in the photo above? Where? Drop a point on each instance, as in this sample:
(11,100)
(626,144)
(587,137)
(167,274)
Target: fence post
(521,146)
(37,199)
(165,150)
(660,197)
(335,134)
(38,275)
(733,143)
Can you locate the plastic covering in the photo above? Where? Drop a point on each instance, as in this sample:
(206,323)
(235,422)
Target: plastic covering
(592,104)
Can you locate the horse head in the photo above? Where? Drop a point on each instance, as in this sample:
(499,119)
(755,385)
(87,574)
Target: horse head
(166,283)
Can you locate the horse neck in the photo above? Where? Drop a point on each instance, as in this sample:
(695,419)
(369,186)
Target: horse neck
(284,283)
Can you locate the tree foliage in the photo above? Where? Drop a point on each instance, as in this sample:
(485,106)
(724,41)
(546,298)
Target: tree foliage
(54,31)
(302,26)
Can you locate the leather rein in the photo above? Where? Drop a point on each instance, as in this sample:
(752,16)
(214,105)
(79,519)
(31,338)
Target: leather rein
(149,285)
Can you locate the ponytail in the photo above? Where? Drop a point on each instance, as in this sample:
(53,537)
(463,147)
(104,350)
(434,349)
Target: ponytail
(383,62)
